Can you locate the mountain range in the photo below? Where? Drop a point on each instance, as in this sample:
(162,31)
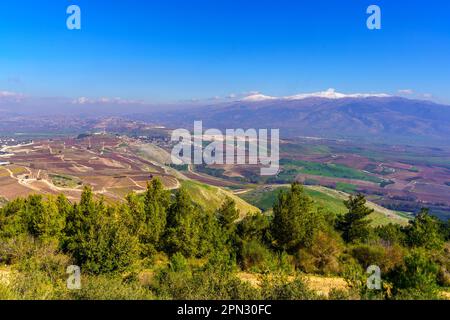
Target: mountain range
(329,114)
(370,117)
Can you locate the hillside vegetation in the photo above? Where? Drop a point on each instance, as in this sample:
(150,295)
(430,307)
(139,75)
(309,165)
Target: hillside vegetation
(161,245)
(329,200)
(211,198)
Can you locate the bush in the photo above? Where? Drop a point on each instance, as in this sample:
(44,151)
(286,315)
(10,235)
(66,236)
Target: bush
(442,258)
(256,257)
(202,284)
(110,288)
(338,294)
(391,234)
(416,277)
(416,294)
(387,258)
(322,256)
(254,227)
(178,263)
(39,272)
(30,255)
(6,293)
(425,231)
(281,288)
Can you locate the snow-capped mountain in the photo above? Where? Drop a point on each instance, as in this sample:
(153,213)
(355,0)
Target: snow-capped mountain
(329,114)
(328,94)
(258,97)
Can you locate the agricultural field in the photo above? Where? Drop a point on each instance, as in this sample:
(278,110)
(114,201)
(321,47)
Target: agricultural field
(109,164)
(113,166)
(293,168)
(116,165)
(400,178)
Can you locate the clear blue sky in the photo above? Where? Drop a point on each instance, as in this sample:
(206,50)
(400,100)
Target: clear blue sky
(167,50)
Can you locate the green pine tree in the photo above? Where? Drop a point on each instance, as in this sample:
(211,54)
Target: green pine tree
(425,231)
(97,237)
(228,214)
(354,225)
(183,227)
(295,219)
(50,222)
(156,204)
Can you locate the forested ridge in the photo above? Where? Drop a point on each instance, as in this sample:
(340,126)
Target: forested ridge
(162,245)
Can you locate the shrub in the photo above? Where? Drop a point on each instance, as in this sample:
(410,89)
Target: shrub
(417,277)
(425,231)
(6,293)
(110,287)
(442,258)
(202,284)
(255,256)
(178,263)
(387,258)
(39,271)
(322,256)
(391,234)
(253,227)
(339,294)
(281,288)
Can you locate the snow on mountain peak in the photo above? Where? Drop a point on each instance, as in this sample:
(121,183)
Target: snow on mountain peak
(328,94)
(332,94)
(258,97)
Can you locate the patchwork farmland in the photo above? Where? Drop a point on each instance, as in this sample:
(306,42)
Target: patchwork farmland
(107,163)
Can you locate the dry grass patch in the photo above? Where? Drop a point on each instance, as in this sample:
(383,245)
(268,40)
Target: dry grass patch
(321,285)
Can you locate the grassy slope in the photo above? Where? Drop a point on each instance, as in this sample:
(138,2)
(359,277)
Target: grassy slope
(330,200)
(326,170)
(381,215)
(211,198)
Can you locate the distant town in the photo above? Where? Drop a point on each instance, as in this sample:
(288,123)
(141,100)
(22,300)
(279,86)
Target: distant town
(8,142)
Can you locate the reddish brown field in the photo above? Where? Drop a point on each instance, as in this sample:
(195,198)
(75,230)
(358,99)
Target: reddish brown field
(66,166)
(419,176)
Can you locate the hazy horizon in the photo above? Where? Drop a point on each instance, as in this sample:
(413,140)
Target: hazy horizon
(174,52)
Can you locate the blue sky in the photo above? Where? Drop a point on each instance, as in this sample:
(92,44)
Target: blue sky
(196,49)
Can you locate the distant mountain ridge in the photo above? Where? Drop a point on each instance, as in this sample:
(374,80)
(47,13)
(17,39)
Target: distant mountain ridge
(380,118)
(328,94)
(369,117)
